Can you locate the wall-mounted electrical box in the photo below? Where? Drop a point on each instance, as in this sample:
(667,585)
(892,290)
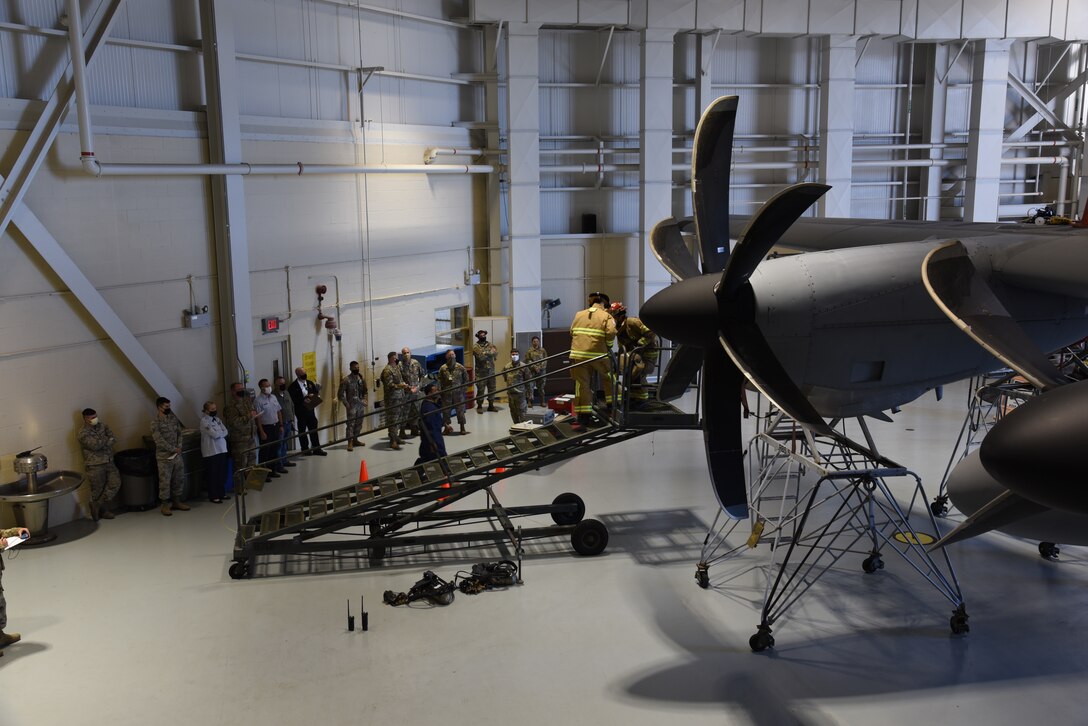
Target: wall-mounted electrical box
(198,317)
(472,277)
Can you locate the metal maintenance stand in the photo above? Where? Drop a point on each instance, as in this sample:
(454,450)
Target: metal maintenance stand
(812,501)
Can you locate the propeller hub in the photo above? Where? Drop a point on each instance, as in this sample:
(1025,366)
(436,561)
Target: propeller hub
(686,312)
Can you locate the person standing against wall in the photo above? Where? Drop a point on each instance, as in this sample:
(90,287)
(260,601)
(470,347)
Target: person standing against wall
(213,447)
(270,420)
(305,396)
(96,440)
(352,394)
(166,432)
(280,392)
(241,420)
(483,358)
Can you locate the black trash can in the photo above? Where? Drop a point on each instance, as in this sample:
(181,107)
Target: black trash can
(139,478)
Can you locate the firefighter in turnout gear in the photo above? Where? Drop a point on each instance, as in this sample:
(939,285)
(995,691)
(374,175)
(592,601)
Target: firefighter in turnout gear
(591,336)
(640,345)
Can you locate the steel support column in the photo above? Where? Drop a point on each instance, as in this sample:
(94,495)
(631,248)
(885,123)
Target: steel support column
(655,152)
(704,64)
(934,101)
(989,85)
(838,61)
(228,192)
(521,256)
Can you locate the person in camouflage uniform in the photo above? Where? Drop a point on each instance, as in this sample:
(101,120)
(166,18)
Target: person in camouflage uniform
(352,394)
(483,357)
(7,639)
(166,431)
(452,381)
(241,419)
(96,440)
(412,373)
(517,376)
(538,366)
(393,387)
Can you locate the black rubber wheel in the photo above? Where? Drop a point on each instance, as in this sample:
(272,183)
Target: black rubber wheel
(589,537)
(569,498)
(761,641)
(1049,551)
(939,506)
(702,576)
(238,570)
(958,622)
(871,564)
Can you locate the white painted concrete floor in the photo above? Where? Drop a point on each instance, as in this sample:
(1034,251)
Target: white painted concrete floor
(135,620)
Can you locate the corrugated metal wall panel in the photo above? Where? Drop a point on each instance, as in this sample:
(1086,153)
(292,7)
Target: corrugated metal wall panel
(41,13)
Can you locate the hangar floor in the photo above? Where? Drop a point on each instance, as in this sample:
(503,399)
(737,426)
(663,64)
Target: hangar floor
(136,621)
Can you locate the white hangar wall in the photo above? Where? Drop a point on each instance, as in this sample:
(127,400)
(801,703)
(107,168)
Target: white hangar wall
(394,248)
(390,248)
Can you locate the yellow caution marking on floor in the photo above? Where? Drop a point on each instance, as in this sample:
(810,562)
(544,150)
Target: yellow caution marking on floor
(921,539)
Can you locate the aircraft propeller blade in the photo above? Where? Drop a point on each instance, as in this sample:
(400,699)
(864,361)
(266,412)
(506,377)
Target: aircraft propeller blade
(680,372)
(668,247)
(1037,450)
(764,231)
(968,300)
(722,433)
(711,158)
(742,339)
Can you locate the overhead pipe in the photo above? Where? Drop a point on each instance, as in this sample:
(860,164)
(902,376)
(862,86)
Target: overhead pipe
(436,151)
(92,166)
(295,169)
(79,76)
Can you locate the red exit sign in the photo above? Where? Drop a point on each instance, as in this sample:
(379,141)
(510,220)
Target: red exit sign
(270,325)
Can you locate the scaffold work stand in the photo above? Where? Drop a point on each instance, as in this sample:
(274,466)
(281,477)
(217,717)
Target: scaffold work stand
(813,500)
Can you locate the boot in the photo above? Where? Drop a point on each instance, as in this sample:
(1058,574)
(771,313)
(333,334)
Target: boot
(165,509)
(480,409)
(447,430)
(7,639)
(351,445)
(394,446)
(463,432)
(180,505)
(356,442)
(105,514)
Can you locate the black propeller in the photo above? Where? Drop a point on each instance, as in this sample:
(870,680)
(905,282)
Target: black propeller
(712,316)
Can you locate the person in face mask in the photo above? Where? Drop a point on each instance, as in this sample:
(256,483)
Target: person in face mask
(483,358)
(431,443)
(517,375)
(166,431)
(270,428)
(213,447)
(352,393)
(241,419)
(305,396)
(279,390)
(96,440)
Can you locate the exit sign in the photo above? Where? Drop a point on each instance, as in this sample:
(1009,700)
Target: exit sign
(270,325)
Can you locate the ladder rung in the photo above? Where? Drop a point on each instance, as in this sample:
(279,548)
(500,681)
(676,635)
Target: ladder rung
(270,521)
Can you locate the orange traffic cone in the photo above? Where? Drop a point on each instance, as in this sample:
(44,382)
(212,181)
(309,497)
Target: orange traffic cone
(363,474)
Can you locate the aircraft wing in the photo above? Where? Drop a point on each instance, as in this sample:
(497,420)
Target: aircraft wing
(1055,266)
(813,234)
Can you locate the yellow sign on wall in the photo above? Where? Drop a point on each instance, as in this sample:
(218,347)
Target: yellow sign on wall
(309,364)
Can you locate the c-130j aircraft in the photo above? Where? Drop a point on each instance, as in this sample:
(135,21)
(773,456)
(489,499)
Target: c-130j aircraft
(872,316)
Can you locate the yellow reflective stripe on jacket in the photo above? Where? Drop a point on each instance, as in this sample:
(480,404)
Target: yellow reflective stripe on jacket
(587,354)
